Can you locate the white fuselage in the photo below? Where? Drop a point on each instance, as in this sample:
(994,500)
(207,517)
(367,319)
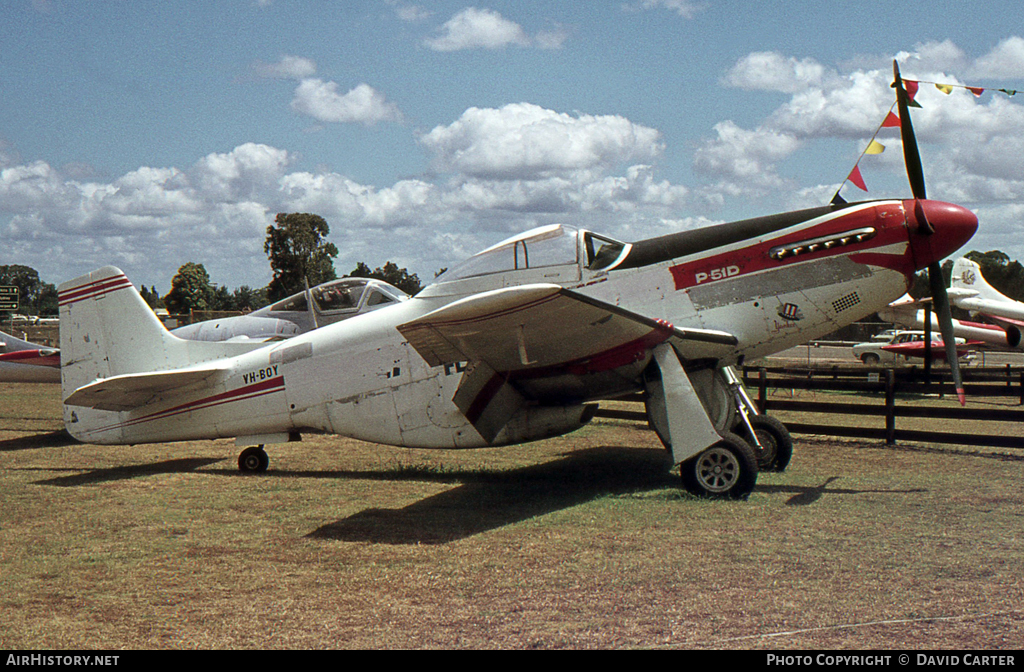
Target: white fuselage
(361,378)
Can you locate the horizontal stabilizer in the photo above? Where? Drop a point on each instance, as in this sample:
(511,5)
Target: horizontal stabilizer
(132,390)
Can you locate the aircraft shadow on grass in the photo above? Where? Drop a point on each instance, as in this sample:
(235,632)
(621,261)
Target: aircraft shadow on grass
(488,500)
(55,439)
(804,495)
(94,476)
(481,500)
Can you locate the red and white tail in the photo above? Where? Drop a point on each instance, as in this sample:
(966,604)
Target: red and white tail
(116,356)
(106,329)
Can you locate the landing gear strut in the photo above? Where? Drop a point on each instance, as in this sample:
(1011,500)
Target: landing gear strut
(253,460)
(771,441)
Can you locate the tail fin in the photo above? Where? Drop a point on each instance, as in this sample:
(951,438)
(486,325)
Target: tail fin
(967,276)
(107,330)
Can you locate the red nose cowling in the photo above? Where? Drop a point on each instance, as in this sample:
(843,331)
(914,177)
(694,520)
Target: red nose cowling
(937,229)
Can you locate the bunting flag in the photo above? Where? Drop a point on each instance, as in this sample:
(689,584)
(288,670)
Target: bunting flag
(911,88)
(892,120)
(948,89)
(875,147)
(856,178)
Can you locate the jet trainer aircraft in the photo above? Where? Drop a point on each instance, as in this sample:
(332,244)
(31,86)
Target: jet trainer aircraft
(325,304)
(969,291)
(516,343)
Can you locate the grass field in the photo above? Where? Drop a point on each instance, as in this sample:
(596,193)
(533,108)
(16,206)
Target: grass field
(580,541)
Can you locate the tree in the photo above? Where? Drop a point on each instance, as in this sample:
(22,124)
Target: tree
(391,274)
(246,298)
(190,290)
(151,297)
(35,297)
(298,252)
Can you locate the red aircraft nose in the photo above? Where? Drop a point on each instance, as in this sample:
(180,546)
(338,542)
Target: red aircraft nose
(937,229)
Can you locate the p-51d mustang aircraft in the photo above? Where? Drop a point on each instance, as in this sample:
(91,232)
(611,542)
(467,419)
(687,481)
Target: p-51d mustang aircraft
(515,343)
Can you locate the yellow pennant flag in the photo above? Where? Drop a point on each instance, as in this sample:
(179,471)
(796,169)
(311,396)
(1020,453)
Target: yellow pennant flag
(945,88)
(875,148)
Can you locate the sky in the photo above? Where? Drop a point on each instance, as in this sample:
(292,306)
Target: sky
(148,134)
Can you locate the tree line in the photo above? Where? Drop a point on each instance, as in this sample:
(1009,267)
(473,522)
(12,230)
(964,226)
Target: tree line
(296,246)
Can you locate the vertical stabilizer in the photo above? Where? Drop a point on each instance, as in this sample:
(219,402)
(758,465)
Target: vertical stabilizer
(106,329)
(967,276)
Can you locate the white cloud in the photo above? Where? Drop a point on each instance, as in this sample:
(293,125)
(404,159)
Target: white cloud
(771,71)
(475,28)
(409,13)
(1006,60)
(745,157)
(525,140)
(684,8)
(288,67)
(363,104)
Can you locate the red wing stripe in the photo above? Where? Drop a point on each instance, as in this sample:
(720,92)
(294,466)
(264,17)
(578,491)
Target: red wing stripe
(93,290)
(488,316)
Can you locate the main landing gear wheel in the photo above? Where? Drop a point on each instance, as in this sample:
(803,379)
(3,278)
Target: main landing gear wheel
(776,443)
(253,460)
(726,470)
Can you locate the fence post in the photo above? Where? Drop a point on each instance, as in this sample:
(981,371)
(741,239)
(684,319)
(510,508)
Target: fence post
(762,390)
(890,407)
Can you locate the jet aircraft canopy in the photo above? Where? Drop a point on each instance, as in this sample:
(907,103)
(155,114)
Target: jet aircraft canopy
(340,296)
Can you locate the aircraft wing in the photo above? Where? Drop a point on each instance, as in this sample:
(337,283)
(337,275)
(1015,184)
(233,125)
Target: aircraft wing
(543,326)
(41,357)
(128,391)
(516,338)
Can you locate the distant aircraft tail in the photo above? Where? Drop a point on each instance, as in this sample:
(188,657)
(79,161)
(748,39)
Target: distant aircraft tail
(967,276)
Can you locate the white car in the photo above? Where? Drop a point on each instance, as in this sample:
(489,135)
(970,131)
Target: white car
(905,343)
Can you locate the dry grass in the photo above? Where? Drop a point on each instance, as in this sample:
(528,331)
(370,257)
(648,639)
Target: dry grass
(580,541)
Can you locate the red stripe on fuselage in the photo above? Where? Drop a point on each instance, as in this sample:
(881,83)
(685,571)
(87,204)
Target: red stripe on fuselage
(888,220)
(241,394)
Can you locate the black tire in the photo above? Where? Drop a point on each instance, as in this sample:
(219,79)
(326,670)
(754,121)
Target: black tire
(870,358)
(253,460)
(726,470)
(776,443)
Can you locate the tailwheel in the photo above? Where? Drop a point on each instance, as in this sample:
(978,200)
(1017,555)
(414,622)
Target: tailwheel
(253,460)
(774,446)
(726,470)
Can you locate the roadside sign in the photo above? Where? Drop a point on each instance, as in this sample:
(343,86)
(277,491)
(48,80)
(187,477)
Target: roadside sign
(8,297)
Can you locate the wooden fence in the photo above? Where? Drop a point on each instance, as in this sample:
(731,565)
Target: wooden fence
(886,385)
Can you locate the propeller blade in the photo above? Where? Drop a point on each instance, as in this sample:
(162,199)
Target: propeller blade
(945,316)
(911,155)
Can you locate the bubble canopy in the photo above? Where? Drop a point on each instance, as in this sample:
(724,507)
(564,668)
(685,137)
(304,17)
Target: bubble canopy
(548,246)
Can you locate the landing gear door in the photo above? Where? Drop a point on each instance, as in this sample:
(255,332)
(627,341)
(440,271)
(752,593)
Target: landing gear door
(675,410)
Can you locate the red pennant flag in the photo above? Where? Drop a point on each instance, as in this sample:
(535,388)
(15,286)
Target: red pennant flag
(892,121)
(976,91)
(856,178)
(911,87)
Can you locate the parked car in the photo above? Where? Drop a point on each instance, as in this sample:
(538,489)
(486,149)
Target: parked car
(905,343)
